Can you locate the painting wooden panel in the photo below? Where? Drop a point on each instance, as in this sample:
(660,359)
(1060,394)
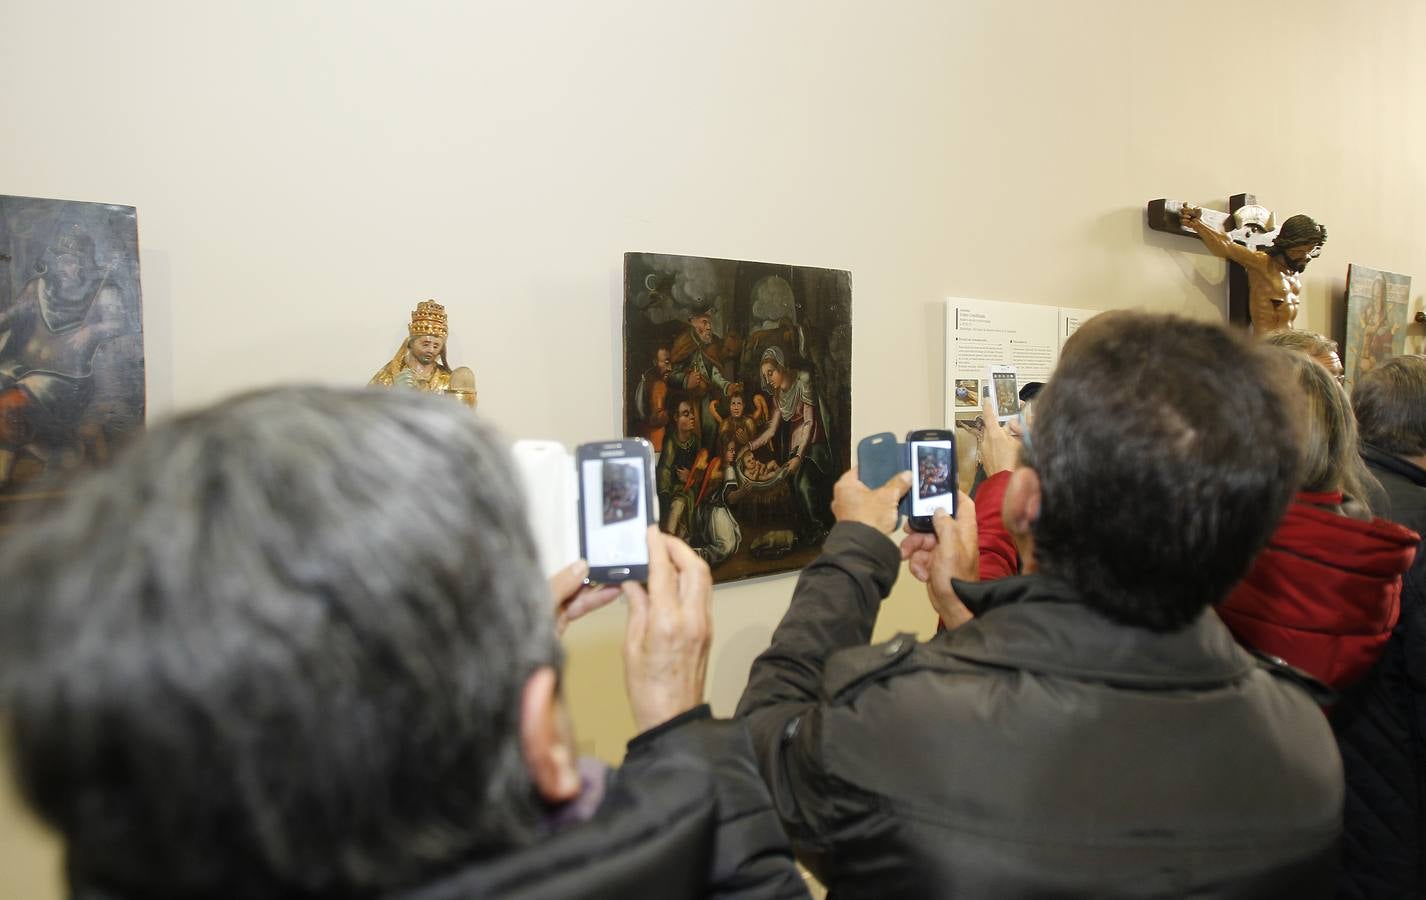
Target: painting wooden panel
(1377,320)
(71,340)
(739,374)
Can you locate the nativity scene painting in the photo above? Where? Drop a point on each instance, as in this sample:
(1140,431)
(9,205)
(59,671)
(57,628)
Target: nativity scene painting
(71,339)
(739,374)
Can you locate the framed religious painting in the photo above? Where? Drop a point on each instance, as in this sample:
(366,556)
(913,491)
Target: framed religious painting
(71,342)
(1378,317)
(739,374)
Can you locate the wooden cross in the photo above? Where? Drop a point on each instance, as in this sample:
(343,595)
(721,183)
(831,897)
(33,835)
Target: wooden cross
(1245,223)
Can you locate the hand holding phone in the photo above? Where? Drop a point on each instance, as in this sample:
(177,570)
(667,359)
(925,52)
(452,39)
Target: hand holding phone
(617,505)
(879,457)
(575,597)
(1004,392)
(931,456)
(999,447)
(878,507)
(952,552)
(669,631)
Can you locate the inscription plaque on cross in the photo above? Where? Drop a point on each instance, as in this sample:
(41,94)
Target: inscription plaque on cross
(1265,262)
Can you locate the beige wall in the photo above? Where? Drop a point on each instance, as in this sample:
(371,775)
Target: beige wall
(304,172)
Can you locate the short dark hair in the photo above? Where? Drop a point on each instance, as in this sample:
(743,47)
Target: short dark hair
(1166,453)
(279,647)
(1390,403)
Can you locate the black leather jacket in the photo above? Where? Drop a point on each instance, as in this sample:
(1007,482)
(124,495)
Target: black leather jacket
(1039,750)
(1381,723)
(685,816)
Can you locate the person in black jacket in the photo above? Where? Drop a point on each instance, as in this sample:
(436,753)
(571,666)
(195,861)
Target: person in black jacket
(1088,729)
(1381,725)
(298,646)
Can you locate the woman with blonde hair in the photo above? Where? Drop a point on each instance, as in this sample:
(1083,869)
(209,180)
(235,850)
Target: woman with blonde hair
(1326,591)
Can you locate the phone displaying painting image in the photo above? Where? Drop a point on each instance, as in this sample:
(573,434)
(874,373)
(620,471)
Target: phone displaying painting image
(616,509)
(933,475)
(1004,392)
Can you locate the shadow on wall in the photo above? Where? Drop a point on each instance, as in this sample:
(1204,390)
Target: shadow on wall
(1202,297)
(1132,273)
(1337,313)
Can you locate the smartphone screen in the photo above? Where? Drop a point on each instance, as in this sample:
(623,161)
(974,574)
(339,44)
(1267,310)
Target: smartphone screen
(933,484)
(616,511)
(1005,393)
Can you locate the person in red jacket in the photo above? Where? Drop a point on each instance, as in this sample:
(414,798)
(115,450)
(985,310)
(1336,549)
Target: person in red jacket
(1325,593)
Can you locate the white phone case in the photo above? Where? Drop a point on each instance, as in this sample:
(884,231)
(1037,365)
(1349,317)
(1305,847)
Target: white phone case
(1001,413)
(552,500)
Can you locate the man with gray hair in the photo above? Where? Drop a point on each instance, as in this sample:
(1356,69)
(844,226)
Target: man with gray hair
(298,645)
(1381,725)
(1322,349)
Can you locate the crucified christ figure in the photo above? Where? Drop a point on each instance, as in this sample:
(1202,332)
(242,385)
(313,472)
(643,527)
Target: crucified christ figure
(1274,273)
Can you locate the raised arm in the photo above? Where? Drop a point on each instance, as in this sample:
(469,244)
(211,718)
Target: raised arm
(802,435)
(666,644)
(833,608)
(1216,241)
(761,440)
(836,599)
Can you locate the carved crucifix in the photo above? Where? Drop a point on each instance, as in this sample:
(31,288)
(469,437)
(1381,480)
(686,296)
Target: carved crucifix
(1265,265)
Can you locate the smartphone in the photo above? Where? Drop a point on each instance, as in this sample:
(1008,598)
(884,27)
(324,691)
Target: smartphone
(617,504)
(1004,390)
(879,457)
(931,455)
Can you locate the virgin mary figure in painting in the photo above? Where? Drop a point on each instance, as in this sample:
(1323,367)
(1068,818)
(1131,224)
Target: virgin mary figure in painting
(798,424)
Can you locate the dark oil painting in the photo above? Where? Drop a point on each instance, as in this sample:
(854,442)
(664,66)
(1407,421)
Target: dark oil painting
(739,374)
(71,341)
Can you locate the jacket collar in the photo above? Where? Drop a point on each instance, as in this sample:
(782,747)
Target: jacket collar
(1039,624)
(1363,552)
(1393,463)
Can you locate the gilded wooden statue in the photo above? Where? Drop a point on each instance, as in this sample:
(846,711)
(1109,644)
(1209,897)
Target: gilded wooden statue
(420,362)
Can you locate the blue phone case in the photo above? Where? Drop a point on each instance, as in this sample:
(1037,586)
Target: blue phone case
(879,457)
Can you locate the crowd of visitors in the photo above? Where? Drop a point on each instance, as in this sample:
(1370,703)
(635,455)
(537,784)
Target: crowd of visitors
(298,646)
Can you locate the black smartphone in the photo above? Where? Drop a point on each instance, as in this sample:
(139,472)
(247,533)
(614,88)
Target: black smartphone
(617,504)
(931,456)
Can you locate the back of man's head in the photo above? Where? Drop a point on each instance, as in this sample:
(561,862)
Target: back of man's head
(278,649)
(1390,403)
(1166,453)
